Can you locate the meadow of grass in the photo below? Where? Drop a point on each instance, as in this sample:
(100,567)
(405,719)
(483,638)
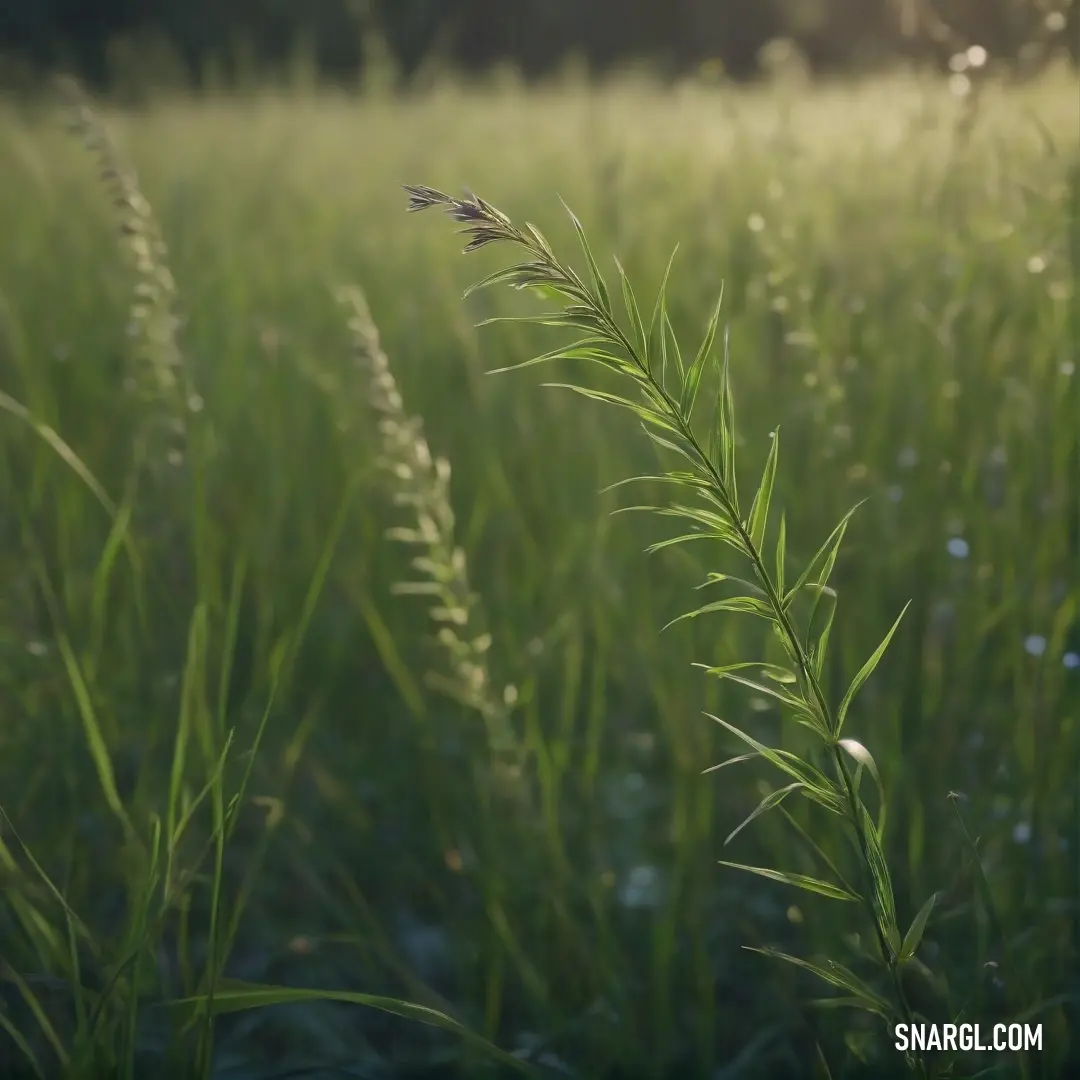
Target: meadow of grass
(897,270)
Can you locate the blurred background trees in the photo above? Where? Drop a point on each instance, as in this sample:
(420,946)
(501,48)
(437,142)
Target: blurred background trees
(237,38)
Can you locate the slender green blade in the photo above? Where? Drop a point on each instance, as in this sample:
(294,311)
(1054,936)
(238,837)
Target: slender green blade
(867,670)
(692,381)
(759,509)
(913,938)
(594,271)
(800,881)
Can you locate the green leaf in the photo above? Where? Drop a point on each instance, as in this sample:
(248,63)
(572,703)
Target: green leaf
(982,885)
(687,451)
(532,273)
(800,881)
(725,419)
(673,341)
(866,671)
(594,271)
(68,456)
(737,760)
(671,541)
(682,479)
(813,845)
(884,899)
(781,554)
(579,350)
(770,671)
(716,529)
(836,975)
(759,509)
(232,996)
(828,552)
(817,649)
(797,705)
(744,605)
(774,798)
(837,1003)
(539,237)
(563,320)
(863,756)
(865,759)
(692,381)
(95,739)
(643,411)
(913,938)
(824,1072)
(717,522)
(659,316)
(714,578)
(547,318)
(632,311)
(817,784)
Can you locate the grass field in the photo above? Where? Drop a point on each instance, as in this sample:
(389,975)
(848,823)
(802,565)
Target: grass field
(897,265)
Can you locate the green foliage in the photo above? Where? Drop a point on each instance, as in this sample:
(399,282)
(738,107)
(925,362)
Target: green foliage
(666,414)
(227,785)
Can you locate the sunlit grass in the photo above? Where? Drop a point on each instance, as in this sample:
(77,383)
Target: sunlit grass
(899,296)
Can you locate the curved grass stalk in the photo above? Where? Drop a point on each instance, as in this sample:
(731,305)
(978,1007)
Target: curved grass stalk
(160,376)
(422,483)
(645,355)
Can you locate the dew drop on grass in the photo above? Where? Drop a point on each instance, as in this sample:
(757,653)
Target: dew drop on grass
(1034,644)
(641,889)
(958,547)
(1071,660)
(1021,832)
